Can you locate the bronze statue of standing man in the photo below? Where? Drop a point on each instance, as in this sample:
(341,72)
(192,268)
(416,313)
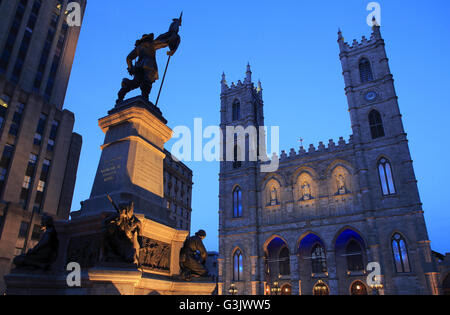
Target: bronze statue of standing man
(145,71)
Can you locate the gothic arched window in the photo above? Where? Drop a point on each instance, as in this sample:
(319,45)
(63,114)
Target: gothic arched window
(236,110)
(386,178)
(376,124)
(354,255)
(237,202)
(400,253)
(284,262)
(365,70)
(238,266)
(237,153)
(318,259)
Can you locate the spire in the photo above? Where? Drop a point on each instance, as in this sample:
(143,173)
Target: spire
(248,77)
(376,29)
(223,82)
(341,41)
(259,88)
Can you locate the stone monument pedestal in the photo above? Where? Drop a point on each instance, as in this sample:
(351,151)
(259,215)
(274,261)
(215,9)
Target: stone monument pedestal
(132,160)
(130,170)
(102,281)
(80,242)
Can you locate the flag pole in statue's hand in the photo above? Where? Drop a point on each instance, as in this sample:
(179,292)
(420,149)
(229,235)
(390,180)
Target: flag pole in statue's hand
(170,54)
(162,82)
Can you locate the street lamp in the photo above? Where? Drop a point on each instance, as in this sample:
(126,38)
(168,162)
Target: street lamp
(275,289)
(232,290)
(376,286)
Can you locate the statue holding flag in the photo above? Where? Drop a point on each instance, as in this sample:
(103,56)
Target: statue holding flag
(145,70)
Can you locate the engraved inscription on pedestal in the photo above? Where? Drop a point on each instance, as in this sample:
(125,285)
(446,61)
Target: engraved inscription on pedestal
(112,167)
(148,170)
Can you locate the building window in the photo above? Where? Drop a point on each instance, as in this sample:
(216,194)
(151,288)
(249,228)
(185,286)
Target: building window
(4,103)
(400,253)
(386,178)
(40,129)
(376,125)
(52,137)
(365,70)
(5,163)
(358,288)
(41,187)
(354,255)
(238,266)
(12,36)
(56,61)
(41,125)
(236,110)
(236,162)
(26,182)
(284,264)
(23,232)
(37,139)
(26,41)
(17,119)
(45,53)
(318,259)
(25,189)
(237,202)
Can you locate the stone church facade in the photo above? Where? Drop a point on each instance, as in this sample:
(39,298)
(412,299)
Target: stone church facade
(314,225)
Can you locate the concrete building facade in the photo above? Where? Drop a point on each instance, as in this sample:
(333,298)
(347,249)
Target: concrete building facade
(178,191)
(39,150)
(329,216)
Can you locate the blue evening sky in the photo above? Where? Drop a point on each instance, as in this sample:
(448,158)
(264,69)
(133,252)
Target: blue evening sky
(291,46)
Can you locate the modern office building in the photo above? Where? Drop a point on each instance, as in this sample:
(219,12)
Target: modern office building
(39,151)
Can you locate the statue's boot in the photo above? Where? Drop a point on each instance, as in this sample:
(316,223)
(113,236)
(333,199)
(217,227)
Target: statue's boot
(127,86)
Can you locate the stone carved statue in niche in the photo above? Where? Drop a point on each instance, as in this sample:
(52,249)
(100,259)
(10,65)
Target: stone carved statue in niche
(44,254)
(306,191)
(273,196)
(340,181)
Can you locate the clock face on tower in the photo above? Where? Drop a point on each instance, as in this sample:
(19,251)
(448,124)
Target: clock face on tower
(370,96)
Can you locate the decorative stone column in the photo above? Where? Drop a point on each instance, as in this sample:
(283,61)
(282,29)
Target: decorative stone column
(332,273)
(294,274)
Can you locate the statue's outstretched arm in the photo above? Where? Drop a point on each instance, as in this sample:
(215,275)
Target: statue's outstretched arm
(159,44)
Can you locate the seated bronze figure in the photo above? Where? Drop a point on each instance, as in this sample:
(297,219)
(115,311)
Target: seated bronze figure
(44,254)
